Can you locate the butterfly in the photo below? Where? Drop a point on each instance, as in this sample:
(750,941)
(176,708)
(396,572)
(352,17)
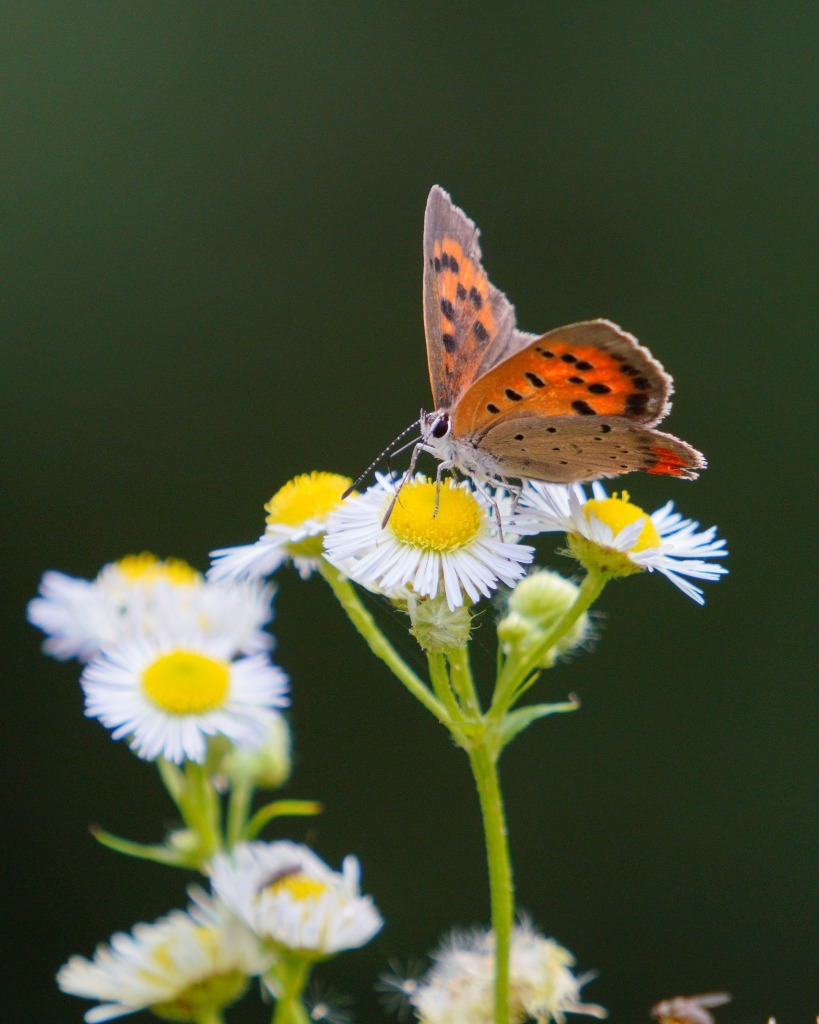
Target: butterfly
(572,405)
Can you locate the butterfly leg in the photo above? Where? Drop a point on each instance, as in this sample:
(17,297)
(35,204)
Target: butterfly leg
(442,468)
(416,451)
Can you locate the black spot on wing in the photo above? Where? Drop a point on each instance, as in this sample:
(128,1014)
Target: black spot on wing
(476,297)
(447,310)
(567,357)
(584,365)
(599,389)
(449,341)
(576,380)
(513,396)
(533,379)
(637,402)
(460,291)
(583,408)
(480,331)
(491,407)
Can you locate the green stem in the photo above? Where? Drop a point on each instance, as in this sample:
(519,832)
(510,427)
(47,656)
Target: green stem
(201,810)
(377,642)
(241,797)
(291,977)
(439,677)
(210,1017)
(517,674)
(463,683)
(484,762)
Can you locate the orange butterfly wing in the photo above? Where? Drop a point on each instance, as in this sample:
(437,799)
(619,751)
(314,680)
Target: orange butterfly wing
(586,369)
(469,324)
(576,404)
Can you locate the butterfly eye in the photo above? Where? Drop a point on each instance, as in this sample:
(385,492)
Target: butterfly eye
(441,426)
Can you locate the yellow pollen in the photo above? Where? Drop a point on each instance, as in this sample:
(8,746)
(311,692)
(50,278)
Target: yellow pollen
(459,521)
(299,886)
(309,496)
(618,513)
(186,683)
(147,568)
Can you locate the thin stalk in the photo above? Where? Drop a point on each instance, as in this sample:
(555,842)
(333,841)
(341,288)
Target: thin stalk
(460,673)
(200,809)
(484,762)
(377,642)
(439,676)
(241,798)
(291,977)
(210,1017)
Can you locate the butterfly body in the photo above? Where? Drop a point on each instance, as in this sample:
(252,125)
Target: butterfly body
(575,404)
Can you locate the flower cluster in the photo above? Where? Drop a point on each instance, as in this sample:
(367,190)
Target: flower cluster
(172,659)
(178,665)
(189,965)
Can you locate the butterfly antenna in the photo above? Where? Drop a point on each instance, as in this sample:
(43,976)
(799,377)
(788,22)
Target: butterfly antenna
(387,451)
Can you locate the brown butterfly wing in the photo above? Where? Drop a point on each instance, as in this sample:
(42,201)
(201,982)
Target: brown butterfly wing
(469,324)
(574,449)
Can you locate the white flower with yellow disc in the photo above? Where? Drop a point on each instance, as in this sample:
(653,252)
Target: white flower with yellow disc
(296,520)
(620,538)
(290,898)
(186,967)
(168,696)
(435,541)
(141,596)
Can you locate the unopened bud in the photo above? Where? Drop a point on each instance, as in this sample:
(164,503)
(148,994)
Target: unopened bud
(536,606)
(436,626)
(267,766)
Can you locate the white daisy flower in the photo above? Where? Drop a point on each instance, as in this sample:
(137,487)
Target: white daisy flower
(292,899)
(296,520)
(460,986)
(457,551)
(141,595)
(167,696)
(186,966)
(614,533)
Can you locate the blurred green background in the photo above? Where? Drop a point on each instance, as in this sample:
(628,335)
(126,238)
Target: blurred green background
(212,281)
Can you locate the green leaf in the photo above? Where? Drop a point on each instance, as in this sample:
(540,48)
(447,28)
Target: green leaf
(279,809)
(516,721)
(157,854)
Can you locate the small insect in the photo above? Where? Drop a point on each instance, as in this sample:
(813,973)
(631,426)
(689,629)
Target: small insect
(576,404)
(689,1009)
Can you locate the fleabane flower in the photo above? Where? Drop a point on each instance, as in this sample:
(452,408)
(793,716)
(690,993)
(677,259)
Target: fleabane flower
(456,551)
(186,966)
(460,985)
(291,899)
(140,596)
(167,696)
(619,538)
(296,520)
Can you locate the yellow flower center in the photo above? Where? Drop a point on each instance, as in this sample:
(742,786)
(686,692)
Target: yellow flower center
(186,683)
(459,520)
(618,513)
(309,496)
(299,886)
(147,568)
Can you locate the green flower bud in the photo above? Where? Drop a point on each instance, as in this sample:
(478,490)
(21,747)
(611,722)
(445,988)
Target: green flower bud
(535,607)
(267,766)
(435,626)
